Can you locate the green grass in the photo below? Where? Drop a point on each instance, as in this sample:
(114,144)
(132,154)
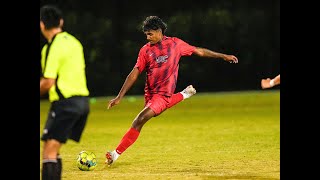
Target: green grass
(232,135)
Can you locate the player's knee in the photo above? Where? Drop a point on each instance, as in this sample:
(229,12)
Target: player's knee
(140,121)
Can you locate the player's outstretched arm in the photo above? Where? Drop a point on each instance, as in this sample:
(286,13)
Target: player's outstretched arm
(203,52)
(130,80)
(269,83)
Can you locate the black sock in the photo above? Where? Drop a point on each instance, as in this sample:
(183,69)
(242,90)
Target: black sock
(59,164)
(50,170)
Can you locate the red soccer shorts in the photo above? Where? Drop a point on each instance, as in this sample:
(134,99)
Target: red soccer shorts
(158,103)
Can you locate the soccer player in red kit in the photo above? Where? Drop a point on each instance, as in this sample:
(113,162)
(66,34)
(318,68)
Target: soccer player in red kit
(159,58)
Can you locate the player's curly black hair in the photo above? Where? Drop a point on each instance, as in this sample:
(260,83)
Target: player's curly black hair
(50,15)
(153,23)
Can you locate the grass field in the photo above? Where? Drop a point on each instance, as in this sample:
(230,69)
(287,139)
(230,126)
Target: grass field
(231,135)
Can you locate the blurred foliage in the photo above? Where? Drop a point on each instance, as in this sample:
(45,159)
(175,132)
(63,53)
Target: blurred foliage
(111,35)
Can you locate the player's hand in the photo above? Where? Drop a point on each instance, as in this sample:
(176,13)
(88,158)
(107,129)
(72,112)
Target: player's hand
(113,102)
(265,83)
(231,58)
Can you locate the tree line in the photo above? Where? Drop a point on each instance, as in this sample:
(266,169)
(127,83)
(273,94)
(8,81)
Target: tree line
(111,35)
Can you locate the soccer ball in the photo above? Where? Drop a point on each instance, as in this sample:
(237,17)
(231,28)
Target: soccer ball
(86,161)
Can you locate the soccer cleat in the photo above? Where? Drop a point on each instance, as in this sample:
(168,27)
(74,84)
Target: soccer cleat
(109,157)
(188,92)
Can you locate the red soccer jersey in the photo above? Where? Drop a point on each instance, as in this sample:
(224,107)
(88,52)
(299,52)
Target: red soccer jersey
(161,62)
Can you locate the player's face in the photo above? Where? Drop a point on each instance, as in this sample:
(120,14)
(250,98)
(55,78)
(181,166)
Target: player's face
(153,36)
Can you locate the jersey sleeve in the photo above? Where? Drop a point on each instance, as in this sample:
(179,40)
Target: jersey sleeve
(141,60)
(52,62)
(185,48)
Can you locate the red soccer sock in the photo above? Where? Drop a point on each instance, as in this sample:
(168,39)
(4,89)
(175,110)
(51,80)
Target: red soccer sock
(128,139)
(175,98)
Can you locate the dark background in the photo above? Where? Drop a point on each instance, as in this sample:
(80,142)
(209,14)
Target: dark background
(111,35)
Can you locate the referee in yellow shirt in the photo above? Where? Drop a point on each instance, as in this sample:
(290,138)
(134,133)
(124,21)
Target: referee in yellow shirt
(64,78)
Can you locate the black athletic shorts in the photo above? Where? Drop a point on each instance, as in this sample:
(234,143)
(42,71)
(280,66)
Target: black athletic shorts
(67,119)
